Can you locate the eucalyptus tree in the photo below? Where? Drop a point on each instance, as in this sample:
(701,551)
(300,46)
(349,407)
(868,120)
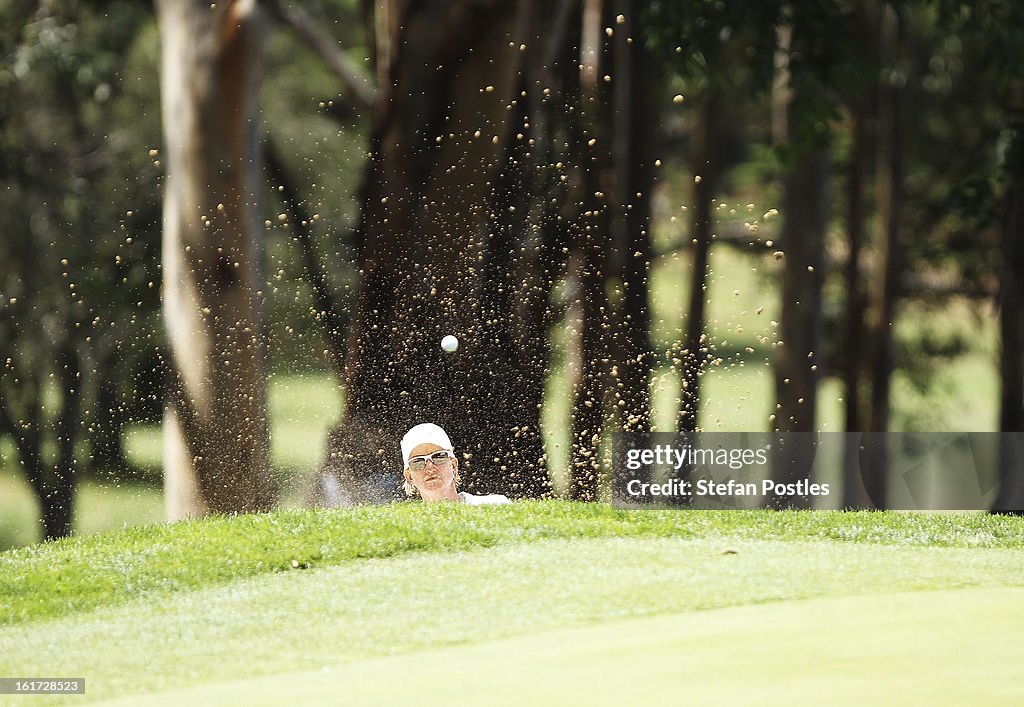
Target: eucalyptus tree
(216,431)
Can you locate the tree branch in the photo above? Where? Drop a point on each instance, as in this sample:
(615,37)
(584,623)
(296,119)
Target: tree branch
(358,84)
(329,314)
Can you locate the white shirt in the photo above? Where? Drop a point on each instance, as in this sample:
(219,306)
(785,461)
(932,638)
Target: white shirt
(491,499)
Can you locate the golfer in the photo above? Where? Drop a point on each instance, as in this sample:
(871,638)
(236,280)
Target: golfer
(432,470)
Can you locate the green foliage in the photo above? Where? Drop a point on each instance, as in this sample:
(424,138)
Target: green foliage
(955,126)
(80,274)
(694,36)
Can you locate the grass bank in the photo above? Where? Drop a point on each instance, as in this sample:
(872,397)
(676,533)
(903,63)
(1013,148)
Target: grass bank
(81,573)
(537,602)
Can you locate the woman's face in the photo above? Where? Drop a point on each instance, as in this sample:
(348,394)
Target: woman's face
(432,481)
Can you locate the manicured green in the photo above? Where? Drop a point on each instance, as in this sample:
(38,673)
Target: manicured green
(942,647)
(390,603)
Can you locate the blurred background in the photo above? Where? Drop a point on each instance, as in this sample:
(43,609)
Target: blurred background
(739,216)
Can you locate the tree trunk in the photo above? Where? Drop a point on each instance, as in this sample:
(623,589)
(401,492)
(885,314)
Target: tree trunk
(59,496)
(514,299)
(803,241)
(853,346)
(805,214)
(1011,325)
(552,64)
(41,375)
(890,205)
(215,422)
(633,152)
(107,447)
(426,238)
(591,384)
(695,351)
(592,239)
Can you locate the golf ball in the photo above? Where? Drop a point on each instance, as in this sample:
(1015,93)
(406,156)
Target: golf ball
(450,343)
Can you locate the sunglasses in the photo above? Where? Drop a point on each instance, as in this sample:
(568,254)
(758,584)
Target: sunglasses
(439,459)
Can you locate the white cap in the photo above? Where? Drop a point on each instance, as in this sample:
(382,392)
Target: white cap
(425,433)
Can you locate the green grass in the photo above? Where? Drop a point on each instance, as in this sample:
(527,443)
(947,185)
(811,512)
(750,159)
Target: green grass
(81,573)
(856,650)
(297,605)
